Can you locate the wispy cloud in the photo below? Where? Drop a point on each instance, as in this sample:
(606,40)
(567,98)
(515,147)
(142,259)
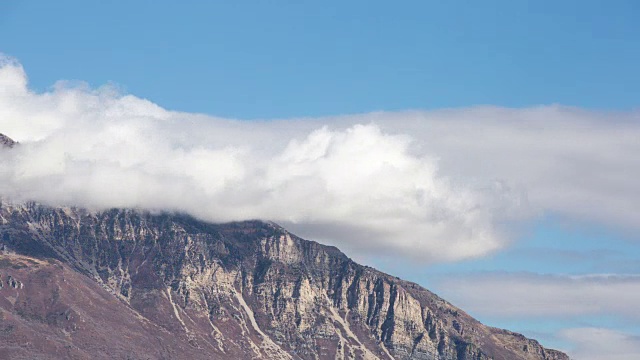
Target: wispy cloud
(601,344)
(432,186)
(528,296)
(580,309)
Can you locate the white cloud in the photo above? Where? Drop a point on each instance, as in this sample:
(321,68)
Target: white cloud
(601,344)
(11,77)
(575,303)
(354,185)
(432,186)
(577,163)
(528,296)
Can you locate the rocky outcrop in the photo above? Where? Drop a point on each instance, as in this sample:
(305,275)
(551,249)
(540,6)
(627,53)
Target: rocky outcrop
(6,141)
(242,290)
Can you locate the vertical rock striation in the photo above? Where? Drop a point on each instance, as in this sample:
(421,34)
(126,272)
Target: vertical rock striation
(246,290)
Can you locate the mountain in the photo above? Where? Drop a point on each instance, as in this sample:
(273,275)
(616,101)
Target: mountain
(6,141)
(128,284)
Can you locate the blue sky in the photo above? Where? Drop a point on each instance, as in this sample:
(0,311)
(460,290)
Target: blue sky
(257,59)
(558,78)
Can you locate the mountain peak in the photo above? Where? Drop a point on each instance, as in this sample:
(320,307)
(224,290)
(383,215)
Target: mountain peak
(6,141)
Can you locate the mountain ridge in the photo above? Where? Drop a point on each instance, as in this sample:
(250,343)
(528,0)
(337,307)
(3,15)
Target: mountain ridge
(267,292)
(83,284)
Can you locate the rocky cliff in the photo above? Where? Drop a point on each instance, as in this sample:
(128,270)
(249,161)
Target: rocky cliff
(126,284)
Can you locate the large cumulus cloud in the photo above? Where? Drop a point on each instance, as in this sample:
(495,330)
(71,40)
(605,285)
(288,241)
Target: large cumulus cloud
(352,184)
(431,186)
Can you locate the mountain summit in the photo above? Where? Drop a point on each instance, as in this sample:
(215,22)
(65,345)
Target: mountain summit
(6,141)
(125,284)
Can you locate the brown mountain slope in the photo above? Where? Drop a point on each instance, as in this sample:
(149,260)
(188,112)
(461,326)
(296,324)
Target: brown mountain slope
(130,285)
(54,312)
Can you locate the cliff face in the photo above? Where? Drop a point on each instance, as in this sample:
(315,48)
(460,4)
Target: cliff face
(131,285)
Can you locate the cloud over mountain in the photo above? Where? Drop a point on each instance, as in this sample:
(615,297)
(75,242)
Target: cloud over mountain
(432,186)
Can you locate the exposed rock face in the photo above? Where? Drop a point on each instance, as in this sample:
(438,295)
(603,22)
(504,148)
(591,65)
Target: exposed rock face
(124,284)
(6,141)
